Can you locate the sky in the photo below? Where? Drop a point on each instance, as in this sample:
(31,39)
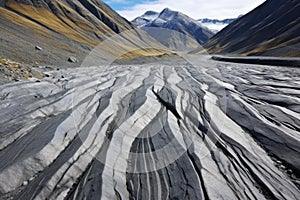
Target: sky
(197,9)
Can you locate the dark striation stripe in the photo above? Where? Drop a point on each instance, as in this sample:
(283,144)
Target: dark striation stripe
(31,143)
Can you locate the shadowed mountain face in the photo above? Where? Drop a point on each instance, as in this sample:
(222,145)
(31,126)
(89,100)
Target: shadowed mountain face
(60,28)
(271,29)
(176,21)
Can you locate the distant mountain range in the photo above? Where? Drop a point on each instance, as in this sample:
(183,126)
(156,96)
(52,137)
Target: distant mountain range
(192,31)
(272,29)
(216,25)
(59,29)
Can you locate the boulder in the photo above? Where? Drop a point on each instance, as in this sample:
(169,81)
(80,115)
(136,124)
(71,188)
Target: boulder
(72,59)
(38,48)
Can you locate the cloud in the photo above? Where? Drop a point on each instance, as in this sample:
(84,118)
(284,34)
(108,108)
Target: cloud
(196,9)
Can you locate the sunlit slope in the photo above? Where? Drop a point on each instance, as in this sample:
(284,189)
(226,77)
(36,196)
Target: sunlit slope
(61,28)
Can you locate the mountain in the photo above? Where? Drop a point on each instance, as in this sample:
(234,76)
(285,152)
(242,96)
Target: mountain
(272,29)
(58,29)
(146,18)
(216,25)
(187,33)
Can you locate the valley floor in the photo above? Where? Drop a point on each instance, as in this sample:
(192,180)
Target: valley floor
(194,129)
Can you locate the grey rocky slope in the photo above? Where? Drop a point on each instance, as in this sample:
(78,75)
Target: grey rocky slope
(173,130)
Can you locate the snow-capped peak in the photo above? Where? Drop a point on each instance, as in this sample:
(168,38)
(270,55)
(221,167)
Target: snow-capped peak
(147,17)
(174,20)
(150,15)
